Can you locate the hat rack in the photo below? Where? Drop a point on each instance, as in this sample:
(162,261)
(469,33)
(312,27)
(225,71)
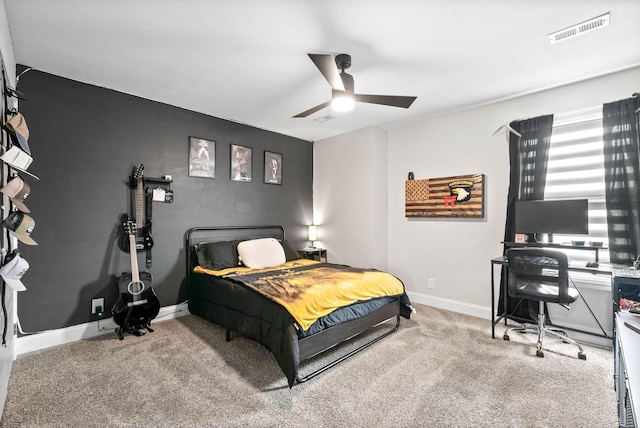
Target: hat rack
(16,158)
(8,243)
(14,93)
(8,246)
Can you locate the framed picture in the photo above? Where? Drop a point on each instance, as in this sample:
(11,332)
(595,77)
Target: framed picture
(460,196)
(202,158)
(272,168)
(241,163)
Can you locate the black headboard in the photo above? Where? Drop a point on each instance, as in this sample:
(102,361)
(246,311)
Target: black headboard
(196,235)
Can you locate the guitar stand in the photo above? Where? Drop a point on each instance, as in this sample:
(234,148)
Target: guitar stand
(135,329)
(119,332)
(131,330)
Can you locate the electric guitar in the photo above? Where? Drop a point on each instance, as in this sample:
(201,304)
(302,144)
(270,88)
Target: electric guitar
(143,241)
(138,303)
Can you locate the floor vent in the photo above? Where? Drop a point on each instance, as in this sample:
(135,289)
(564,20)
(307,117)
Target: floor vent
(580,29)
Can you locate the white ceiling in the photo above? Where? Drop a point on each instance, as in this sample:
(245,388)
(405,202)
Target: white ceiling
(246,60)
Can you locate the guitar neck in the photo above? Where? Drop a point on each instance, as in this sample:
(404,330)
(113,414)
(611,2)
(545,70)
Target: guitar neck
(135,275)
(139,205)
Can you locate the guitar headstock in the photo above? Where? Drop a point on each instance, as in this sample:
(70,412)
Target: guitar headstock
(130,227)
(136,175)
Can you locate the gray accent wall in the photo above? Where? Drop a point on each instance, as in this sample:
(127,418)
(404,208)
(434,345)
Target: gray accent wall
(85,140)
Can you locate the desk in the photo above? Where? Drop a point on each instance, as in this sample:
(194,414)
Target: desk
(557,245)
(602,269)
(626,373)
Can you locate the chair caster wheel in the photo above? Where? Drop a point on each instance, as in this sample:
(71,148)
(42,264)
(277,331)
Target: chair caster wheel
(582,355)
(539,353)
(505,337)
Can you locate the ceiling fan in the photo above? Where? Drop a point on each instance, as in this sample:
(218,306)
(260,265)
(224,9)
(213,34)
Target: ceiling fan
(342,96)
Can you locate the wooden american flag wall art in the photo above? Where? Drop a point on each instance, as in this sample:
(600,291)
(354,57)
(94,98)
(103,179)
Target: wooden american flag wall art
(453,197)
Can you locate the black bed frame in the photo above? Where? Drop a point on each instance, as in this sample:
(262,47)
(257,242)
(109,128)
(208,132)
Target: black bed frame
(317,343)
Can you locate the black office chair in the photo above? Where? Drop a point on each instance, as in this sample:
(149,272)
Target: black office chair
(541,274)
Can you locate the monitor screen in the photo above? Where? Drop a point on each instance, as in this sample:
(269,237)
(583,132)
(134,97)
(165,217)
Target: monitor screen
(569,216)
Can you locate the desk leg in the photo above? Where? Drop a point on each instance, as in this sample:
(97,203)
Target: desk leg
(504,273)
(495,319)
(493,304)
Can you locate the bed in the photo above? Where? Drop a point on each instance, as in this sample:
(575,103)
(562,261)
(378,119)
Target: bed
(221,291)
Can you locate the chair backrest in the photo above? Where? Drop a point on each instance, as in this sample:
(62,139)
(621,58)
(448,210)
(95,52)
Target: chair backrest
(538,273)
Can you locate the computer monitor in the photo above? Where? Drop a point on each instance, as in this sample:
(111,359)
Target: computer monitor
(568,216)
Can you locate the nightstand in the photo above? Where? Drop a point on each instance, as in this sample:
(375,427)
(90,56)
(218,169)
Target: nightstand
(318,254)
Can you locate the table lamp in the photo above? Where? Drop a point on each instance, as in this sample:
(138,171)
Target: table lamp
(313,234)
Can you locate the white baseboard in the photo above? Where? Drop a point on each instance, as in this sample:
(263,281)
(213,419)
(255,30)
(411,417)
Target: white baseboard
(483,312)
(451,305)
(74,333)
(49,338)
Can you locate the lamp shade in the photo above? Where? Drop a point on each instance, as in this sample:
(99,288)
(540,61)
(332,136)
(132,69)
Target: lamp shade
(313,232)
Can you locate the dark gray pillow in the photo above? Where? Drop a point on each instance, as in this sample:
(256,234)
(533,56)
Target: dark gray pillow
(218,255)
(289,252)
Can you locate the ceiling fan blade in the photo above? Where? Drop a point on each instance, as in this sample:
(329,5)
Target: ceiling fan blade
(327,66)
(387,100)
(313,109)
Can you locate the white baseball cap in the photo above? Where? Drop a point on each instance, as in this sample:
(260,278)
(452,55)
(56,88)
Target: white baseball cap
(12,272)
(18,159)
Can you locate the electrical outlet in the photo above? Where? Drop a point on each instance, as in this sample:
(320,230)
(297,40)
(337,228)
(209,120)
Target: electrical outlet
(97,303)
(432,283)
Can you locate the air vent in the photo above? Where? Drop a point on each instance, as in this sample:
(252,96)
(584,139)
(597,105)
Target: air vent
(324,118)
(580,29)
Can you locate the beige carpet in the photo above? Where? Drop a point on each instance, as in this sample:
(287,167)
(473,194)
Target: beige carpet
(441,369)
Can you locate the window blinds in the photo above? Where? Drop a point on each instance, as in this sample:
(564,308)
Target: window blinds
(576,170)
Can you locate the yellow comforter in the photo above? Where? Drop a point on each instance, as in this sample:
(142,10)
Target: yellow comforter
(309,289)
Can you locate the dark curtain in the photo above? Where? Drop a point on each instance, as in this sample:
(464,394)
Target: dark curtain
(620,122)
(528,158)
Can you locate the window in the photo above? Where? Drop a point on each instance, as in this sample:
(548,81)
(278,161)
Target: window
(576,170)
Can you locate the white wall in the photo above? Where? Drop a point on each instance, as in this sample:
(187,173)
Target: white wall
(350,197)
(454,252)
(6,46)
(6,353)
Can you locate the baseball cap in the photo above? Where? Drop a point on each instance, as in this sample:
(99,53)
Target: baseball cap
(18,126)
(20,225)
(12,272)
(18,159)
(17,190)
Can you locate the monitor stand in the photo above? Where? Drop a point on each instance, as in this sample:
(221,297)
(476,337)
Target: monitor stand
(535,239)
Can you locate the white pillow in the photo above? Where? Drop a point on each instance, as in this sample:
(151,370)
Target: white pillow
(261,253)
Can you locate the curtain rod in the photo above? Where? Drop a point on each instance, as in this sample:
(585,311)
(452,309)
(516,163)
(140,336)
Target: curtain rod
(507,128)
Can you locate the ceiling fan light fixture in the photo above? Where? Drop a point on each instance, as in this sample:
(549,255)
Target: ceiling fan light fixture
(343,96)
(342,102)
